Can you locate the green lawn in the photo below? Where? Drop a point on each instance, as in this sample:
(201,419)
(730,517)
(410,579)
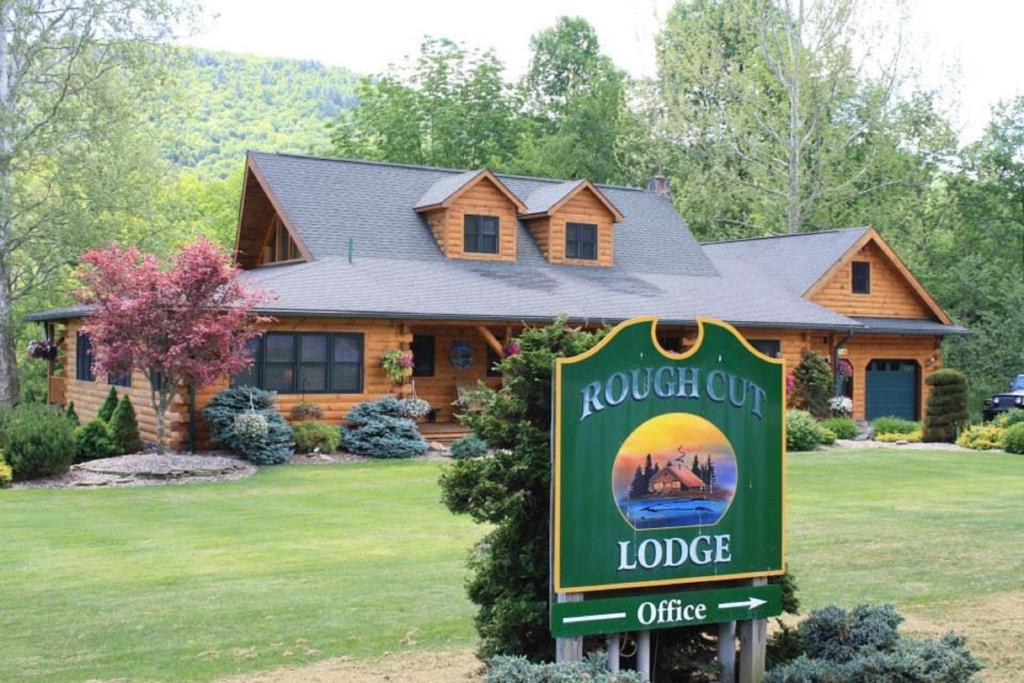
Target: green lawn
(303,563)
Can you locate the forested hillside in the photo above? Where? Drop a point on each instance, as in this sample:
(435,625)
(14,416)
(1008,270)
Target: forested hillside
(221,104)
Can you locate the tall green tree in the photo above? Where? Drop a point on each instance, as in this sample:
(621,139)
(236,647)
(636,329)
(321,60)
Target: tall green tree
(67,71)
(450,108)
(769,108)
(574,102)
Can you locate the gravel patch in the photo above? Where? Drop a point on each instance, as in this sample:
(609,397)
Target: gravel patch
(149,469)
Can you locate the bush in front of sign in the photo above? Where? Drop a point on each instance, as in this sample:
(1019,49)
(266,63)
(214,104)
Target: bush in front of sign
(510,490)
(864,643)
(594,668)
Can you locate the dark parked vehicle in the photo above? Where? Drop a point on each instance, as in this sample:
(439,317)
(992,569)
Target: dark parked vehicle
(1006,401)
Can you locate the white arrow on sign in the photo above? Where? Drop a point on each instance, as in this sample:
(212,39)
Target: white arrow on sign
(749,603)
(594,617)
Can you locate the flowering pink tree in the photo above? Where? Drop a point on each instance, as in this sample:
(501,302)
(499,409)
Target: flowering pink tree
(186,324)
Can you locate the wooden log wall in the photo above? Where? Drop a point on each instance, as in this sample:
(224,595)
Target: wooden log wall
(441,390)
(483,198)
(890,295)
(89,396)
(584,207)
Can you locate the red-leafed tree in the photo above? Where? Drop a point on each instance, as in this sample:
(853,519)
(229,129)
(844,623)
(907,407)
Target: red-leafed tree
(187,323)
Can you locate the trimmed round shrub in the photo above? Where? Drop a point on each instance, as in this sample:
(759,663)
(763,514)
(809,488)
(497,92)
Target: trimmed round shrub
(893,425)
(108,407)
(1009,418)
(306,410)
(1013,438)
(93,441)
(803,432)
(842,427)
(40,443)
(124,428)
(946,411)
(469,446)
(377,429)
(826,436)
(312,435)
(519,669)
(270,446)
(812,384)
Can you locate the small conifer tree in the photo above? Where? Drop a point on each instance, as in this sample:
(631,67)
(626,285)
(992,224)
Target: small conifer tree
(108,407)
(124,429)
(813,384)
(946,411)
(70,413)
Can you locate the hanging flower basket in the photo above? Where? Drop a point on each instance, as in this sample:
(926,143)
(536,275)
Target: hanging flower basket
(844,368)
(42,350)
(397,365)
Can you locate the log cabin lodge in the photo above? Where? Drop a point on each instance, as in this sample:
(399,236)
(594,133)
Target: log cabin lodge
(365,257)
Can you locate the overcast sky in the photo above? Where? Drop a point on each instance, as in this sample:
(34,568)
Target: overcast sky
(970,47)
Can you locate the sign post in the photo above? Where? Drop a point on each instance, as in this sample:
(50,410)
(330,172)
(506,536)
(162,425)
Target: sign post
(668,472)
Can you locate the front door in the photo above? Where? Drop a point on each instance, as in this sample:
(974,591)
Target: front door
(891,388)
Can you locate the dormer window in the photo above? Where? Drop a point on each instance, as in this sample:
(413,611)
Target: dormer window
(861,277)
(581,241)
(480,234)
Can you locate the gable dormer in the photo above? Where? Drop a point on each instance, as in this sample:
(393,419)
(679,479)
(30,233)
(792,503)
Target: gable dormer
(265,235)
(573,223)
(472,216)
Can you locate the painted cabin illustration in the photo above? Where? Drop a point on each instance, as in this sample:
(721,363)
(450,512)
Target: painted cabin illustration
(675,480)
(365,257)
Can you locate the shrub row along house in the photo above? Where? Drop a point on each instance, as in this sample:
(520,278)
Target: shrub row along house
(365,258)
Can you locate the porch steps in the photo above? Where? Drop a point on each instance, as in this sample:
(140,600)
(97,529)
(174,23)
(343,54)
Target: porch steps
(444,433)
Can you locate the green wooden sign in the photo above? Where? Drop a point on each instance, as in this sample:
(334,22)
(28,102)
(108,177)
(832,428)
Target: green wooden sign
(668,468)
(666,610)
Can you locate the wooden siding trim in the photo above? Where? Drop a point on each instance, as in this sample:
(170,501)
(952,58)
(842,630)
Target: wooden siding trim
(252,168)
(872,236)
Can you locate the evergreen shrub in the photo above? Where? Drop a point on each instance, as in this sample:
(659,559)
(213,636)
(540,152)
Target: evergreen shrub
(269,447)
(93,441)
(71,414)
(983,437)
(1013,438)
(518,669)
(378,429)
(469,446)
(7,414)
(827,436)
(842,427)
(39,443)
(803,432)
(893,437)
(312,434)
(108,407)
(893,425)
(946,411)
(812,385)
(864,644)
(124,428)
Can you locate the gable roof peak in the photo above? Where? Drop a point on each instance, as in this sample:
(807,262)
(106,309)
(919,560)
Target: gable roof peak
(547,199)
(448,188)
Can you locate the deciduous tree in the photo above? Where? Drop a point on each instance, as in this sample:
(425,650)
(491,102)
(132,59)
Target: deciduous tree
(187,324)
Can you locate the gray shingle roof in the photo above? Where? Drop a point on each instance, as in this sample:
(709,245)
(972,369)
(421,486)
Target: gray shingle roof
(797,260)
(392,287)
(444,188)
(332,201)
(543,198)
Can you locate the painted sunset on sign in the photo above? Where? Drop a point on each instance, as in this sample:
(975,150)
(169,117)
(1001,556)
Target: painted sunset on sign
(674,470)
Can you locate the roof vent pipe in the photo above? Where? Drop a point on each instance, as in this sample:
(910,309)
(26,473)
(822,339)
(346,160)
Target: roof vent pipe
(659,185)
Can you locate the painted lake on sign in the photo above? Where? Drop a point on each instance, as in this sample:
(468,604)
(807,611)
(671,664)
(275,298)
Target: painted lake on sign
(657,514)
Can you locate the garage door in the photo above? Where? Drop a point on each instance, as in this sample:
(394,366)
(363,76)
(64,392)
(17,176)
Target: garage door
(891,389)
